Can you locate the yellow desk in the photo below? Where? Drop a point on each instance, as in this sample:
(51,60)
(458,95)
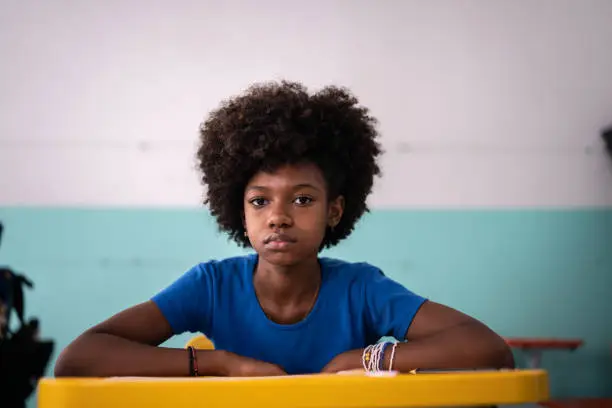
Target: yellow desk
(312,391)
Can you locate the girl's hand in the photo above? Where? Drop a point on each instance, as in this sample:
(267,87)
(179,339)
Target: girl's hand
(239,366)
(349,360)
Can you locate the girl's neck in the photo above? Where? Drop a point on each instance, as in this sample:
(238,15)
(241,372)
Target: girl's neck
(284,285)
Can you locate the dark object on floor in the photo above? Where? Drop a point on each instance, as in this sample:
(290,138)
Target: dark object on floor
(23,356)
(607,137)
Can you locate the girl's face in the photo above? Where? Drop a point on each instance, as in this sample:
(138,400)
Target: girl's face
(287,213)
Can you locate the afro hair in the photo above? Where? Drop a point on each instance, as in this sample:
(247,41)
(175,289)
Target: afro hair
(275,124)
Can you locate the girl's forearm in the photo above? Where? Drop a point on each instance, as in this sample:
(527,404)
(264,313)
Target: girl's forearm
(468,346)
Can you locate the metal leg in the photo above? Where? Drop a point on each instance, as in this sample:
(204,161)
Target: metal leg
(534,358)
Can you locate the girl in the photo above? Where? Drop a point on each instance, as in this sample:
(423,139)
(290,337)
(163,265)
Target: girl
(287,173)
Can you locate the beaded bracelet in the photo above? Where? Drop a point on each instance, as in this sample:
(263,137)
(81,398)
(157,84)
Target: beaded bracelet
(365,357)
(381,361)
(193,362)
(373,357)
(392,358)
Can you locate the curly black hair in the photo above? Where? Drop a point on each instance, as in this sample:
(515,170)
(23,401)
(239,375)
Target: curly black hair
(278,123)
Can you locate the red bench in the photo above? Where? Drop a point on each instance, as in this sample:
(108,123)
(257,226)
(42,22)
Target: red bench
(579,403)
(534,347)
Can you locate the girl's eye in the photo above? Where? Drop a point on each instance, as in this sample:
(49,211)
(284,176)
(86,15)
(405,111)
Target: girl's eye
(303,200)
(258,202)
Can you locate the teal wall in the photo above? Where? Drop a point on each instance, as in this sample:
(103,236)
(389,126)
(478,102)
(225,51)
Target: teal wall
(525,273)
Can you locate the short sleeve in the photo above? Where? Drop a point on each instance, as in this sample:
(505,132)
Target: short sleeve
(390,307)
(187,303)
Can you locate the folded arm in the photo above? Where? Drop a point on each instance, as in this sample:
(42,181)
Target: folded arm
(443,338)
(438,338)
(127,345)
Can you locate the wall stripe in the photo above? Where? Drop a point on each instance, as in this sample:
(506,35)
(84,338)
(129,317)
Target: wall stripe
(525,273)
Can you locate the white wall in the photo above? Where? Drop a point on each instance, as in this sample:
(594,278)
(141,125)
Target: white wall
(481,103)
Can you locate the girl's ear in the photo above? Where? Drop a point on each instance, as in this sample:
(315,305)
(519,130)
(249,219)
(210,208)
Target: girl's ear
(335,211)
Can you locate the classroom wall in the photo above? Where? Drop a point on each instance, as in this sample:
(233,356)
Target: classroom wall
(496,196)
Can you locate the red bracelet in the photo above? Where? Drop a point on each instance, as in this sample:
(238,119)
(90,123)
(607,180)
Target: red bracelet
(193,362)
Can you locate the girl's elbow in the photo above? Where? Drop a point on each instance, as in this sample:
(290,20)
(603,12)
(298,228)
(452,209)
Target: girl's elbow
(62,367)
(501,354)
(65,365)
(507,359)
(70,363)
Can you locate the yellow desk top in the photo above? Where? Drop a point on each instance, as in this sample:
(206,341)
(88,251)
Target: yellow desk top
(312,391)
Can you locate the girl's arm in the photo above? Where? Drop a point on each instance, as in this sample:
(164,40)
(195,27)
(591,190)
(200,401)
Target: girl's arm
(126,345)
(439,338)
(443,338)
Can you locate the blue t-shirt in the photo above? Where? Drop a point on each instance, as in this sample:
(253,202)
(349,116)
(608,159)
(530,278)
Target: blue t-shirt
(356,306)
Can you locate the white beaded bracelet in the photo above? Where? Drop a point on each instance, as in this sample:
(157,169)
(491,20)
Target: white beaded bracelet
(373,357)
